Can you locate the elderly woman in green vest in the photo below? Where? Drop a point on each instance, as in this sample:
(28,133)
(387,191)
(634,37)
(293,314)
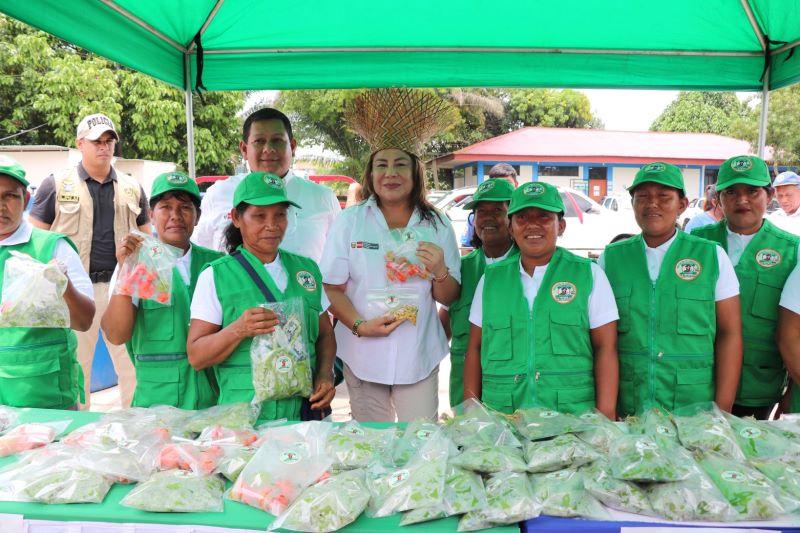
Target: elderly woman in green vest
(763,257)
(38,366)
(155,333)
(680,339)
(492,242)
(543,324)
(226,312)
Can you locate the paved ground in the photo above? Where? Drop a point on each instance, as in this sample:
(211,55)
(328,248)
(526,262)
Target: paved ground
(108,400)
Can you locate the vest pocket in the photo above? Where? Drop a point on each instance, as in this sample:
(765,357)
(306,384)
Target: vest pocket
(626,398)
(497,335)
(498,392)
(693,385)
(767,295)
(567,333)
(33,383)
(695,309)
(763,379)
(132,213)
(235,384)
(623,297)
(158,321)
(576,400)
(69,218)
(158,384)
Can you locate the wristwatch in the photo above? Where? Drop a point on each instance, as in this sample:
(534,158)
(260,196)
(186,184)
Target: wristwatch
(357,323)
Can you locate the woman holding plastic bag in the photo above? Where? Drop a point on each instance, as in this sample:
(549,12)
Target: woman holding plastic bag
(153,286)
(388,260)
(231,312)
(38,365)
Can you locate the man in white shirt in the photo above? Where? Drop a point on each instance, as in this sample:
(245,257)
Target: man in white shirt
(268,146)
(787,191)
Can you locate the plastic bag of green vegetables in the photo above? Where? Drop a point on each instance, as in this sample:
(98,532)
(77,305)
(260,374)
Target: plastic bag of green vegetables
(612,492)
(354,446)
(33,294)
(640,458)
(759,440)
(475,424)
(177,491)
(509,499)
(694,498)
(328,505)
(415,436)
(236,416)
(657,424)
(542,423)
(602,432)
(66,483)
(786,477)
(749,491)
(8,417)
(707,430)
(420,483)
(562,494)
(558,453)
(233,461)
(463,492)
(490,459)
(279,360)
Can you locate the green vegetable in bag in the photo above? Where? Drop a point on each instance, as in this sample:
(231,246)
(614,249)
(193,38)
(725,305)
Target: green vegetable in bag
(559,453)
(708,431)
(640,458)
(541,423)
(463,492)
(614,493)
(602,432)
(474,424)
(354,446)
(416,435)
(785,477)
(562,494)
(177,491)
(490,459)
(510,500)
(67,484)
(759,440)
(656,423)
(236,416)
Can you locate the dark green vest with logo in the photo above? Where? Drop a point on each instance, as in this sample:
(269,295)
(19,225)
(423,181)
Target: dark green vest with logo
(666,328)
(158,346)
(765,264)
(539,357)
(237,292)
(472,268)
(38,366)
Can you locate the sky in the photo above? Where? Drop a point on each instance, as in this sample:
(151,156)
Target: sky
(628,110)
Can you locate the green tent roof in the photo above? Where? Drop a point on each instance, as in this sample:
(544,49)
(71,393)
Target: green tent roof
(261,44)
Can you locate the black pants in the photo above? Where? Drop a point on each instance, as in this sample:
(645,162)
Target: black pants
(759,413)
(306,413)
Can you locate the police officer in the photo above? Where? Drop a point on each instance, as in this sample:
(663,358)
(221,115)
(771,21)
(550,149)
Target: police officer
(543,324)
(156,333)
(38,367)
(492,243)
(680,336)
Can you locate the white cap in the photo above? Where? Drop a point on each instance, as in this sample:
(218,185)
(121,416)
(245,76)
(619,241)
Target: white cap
(93,126)
(786,178)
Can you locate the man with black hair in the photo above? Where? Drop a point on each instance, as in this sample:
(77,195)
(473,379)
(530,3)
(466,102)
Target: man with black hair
(268,145)
(502,171)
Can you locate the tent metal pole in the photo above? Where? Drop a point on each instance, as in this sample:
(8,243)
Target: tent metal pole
(189,114)
(762,123)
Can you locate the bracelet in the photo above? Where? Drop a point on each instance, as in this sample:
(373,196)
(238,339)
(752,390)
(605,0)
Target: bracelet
(354,329)
(442,277)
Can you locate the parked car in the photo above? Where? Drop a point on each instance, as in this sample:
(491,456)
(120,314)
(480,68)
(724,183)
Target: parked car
(696,206)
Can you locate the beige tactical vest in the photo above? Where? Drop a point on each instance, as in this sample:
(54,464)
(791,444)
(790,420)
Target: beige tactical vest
(75,210)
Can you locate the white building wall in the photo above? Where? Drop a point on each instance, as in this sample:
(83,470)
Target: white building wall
(691,181)
(41,163)
(525,174)
(559,181)
(470,178)
(622,179)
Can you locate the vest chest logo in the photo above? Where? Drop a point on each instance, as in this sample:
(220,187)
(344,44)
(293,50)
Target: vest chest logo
(768,258)
(563,292)
(688,269)
(306,280)
(67,192)
(533,189)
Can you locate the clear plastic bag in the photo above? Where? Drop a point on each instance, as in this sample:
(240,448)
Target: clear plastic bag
(400,254)
(177,491)
(280,362)
(355,446)
(614,493)
(290,460)
(463,492)
(510,499)
(415,436)
(707,430)
(561,452)
(191,457)
(785,477)
(475,424)
(400,303)
(760,440)
(491,459)
(223,436)
(420,483)
(33,294)
(8,418)
(147,274)
(641,458)
(602,432)
(236,416)
(233,461)
(328,505)
(29,436)
(542,423)
(562,494)
(65,483)
(657,424)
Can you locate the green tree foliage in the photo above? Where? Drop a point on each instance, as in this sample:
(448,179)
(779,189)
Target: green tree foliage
(46,81)
(701,112)
(550,108)
(783,134)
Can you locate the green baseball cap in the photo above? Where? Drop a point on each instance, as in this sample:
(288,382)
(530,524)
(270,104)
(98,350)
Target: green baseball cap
(10,167)
(491,190)
(536,194)
(747,169)
(658,172)
(174,182)
(261,188)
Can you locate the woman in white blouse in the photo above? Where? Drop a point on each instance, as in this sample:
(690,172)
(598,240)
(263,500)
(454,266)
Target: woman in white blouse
(391,366)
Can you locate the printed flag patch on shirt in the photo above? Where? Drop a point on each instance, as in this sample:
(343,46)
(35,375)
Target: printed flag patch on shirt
(365,245)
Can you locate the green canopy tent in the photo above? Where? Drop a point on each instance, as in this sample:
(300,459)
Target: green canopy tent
(741,45)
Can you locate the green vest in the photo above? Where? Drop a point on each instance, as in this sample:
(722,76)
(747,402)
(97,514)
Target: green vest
(762,274)
(158,347)
(472,267)
(543,356)
(666,328)
(38,366)
(237,292)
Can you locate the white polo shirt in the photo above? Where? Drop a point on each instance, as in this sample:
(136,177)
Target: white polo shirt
(727,283)
(353,257)
(602,305)
(790,223)
(307,229)
(63,252)
(737,244)
(790,297)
